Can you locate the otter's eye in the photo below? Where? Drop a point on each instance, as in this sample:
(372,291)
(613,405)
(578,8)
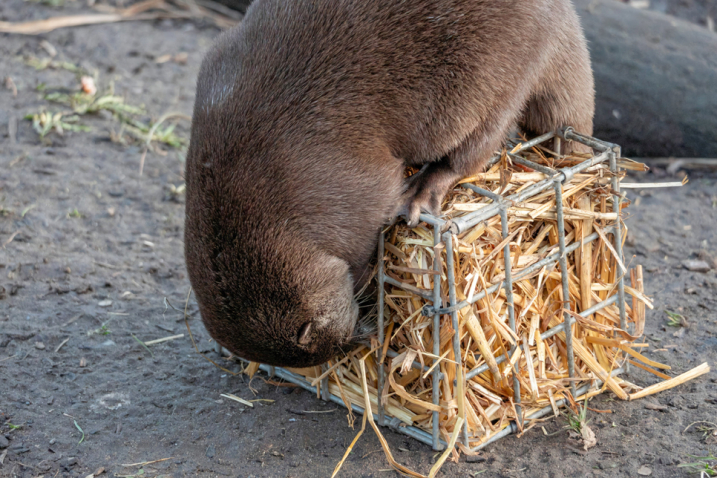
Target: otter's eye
(305,334)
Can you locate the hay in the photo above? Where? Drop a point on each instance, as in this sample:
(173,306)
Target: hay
(528,356)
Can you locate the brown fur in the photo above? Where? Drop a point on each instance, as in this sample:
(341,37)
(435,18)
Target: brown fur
(305,118)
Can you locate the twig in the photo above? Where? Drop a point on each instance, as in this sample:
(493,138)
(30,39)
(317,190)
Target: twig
(305,412)
(44,26)
(61,344)
(165,339)
(11,238)
(147,462)
(138,11)
(371,453)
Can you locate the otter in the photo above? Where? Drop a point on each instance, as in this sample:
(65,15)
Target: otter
(306,117)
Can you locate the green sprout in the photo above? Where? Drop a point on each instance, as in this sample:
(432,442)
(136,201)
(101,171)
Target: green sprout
(576,422)
(45,122)
(705,465)
(675,319)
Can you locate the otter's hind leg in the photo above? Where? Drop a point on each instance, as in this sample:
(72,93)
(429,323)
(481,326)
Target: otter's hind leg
(427,188)
(565,94)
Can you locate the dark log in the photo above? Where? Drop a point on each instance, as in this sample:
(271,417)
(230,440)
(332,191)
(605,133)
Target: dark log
(239,5)
(655,79)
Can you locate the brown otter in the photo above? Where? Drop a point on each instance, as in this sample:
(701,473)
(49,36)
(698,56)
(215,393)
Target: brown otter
(306,116)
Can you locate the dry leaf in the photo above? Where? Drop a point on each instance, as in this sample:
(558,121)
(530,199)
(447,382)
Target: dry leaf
(588,436)
(644,471)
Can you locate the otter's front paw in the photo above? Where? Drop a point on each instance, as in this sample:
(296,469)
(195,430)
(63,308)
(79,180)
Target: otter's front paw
(425,193)
(424,200)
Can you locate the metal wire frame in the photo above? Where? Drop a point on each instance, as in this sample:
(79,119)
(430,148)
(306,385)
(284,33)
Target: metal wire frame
(443,232)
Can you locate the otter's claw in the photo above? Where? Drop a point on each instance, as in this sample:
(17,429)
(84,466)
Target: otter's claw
(425,192)
(424,201)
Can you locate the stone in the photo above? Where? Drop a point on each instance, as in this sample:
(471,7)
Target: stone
(696,266)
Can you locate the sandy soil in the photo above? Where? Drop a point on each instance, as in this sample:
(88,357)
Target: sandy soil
(89,250)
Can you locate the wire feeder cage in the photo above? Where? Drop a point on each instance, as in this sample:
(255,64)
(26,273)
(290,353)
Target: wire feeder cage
(438,307)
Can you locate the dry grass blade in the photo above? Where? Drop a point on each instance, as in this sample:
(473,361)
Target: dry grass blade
(439,463)
(237,399)
(384,444)
(673,382)
(351,447)
(153,130)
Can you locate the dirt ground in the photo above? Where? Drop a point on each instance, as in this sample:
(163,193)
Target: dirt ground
(701,12)
(90,250)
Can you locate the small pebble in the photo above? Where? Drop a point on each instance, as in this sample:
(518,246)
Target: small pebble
(68,462)
(39,346)
(210,451)
(696,266)
(644,471)
(105,303)
(52,442)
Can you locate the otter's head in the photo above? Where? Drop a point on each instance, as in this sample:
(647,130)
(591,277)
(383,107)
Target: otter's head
(268,299)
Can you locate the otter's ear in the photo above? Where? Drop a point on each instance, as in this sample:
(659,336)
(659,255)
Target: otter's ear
(305,333)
